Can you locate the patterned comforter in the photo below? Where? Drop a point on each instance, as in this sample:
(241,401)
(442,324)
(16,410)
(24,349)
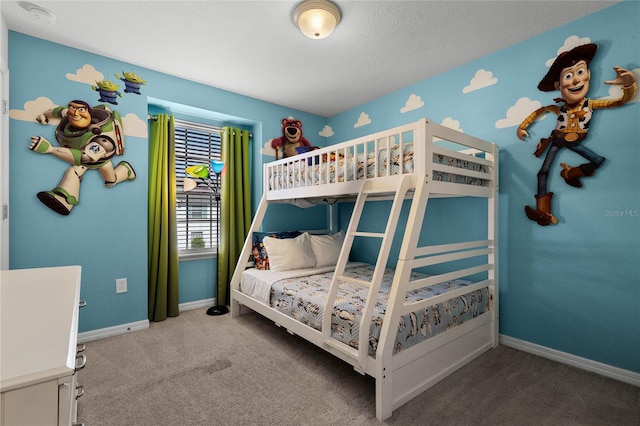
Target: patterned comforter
(317,170)
(303,298)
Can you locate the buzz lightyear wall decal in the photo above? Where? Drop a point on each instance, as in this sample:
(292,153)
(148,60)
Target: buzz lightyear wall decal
(570,75)
(89,138)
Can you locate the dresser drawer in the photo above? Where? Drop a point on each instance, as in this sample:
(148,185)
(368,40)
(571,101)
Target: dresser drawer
(35,405)
(39,353)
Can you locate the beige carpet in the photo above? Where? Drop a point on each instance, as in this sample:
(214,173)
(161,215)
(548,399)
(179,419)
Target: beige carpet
(202,370)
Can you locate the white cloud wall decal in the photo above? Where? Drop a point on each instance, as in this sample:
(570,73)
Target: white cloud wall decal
(267,149)
(413,102)
(518,112)
(134,126)
(452,124)
(326,131)
(363,120)
(482,79)
(87,75)
(34,108)
(569,43)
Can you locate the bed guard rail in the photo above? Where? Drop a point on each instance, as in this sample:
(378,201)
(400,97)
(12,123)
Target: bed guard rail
(338,170)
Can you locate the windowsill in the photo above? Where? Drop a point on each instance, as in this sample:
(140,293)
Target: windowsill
(186,257)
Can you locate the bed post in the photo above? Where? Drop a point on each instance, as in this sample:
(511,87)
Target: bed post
(246,252)
(384,356)
(493,257)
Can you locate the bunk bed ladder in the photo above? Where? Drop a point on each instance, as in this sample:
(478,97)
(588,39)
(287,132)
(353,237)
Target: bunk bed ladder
(398,185)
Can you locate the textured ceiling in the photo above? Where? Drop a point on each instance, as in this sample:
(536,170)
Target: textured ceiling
(253,48)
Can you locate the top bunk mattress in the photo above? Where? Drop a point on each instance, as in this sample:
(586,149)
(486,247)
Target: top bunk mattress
(301,294)
(334,168)
(452,162)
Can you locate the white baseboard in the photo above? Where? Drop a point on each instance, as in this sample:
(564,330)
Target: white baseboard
(102,333)
(204,303)
(606,370)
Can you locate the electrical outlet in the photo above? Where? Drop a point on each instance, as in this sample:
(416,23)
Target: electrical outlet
(121,285)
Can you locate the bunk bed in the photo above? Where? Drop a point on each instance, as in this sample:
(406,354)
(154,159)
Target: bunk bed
(421,327)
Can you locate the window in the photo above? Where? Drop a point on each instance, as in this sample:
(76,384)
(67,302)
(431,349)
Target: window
(196,210)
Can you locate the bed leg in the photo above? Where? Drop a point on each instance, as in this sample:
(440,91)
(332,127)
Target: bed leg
(384,398)
(235,308)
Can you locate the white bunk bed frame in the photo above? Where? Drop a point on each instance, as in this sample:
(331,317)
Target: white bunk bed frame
(408,373)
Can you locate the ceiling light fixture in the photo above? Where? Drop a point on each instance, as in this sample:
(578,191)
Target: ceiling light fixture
(316,18)
(39,13)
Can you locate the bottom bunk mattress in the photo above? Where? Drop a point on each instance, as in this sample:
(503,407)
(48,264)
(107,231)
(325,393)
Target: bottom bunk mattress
(301,294)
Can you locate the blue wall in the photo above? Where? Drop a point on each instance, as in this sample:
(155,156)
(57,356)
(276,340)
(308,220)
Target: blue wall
(575,286)
(107,232)
(571,287)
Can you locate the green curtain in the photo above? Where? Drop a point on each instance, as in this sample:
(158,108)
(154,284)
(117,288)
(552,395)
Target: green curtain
(162,232)
(235,205)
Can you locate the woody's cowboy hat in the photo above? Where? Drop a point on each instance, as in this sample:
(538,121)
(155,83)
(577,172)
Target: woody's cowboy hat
(566,59)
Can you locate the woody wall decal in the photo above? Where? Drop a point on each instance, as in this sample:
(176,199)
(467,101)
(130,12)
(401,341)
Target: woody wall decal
(570,75)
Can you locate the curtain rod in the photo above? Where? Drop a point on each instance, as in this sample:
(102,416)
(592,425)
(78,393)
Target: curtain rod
(155,118)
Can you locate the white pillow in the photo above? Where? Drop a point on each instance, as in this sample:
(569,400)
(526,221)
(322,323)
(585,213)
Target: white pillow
(289,253)
(326,248)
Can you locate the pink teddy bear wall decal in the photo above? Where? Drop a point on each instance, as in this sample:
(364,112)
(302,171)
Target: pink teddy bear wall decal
(291,138)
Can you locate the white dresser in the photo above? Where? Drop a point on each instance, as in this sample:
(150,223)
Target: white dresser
(38,346)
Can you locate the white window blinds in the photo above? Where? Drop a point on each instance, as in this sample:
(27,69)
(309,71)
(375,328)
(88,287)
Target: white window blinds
(196,210)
